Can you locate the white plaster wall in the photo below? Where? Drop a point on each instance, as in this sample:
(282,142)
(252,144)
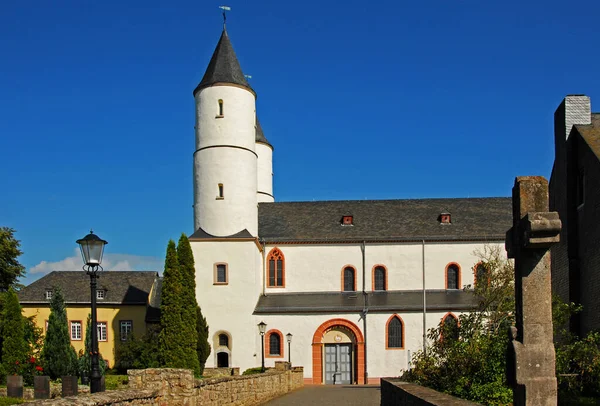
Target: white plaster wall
(265,173)
(238,210)
(229,307)
(318,267)
(381,362)
(225,153)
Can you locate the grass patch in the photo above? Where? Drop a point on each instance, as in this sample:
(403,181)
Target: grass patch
(10,401)
(115,381)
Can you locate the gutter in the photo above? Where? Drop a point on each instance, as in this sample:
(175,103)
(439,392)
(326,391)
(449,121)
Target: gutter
(365,309)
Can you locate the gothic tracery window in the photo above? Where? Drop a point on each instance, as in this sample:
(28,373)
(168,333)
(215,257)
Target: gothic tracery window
(276,269)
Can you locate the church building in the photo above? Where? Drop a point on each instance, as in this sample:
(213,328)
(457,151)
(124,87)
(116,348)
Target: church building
(355,284)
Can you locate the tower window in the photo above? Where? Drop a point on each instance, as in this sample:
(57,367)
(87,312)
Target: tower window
(221,274)
(221,194)
(220,115)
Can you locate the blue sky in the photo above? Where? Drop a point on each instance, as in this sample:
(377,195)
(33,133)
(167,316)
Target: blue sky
(397,100)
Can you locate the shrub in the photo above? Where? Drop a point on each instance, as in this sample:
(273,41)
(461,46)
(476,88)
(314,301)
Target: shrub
(14,346)
(253,371)
(138,353)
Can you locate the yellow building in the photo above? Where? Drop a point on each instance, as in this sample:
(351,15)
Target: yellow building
(127,303)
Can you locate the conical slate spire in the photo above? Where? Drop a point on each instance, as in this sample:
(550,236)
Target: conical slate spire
(223,67)
(260,136)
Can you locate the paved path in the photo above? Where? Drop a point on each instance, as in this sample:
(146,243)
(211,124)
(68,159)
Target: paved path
(351,395)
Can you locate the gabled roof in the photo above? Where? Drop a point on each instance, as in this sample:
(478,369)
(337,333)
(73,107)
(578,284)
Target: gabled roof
(591,134)
(479,219)
(223,67)
(353,302)
(131,287)
(260,136)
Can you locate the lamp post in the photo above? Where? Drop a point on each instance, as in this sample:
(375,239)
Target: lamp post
(288,336)
(92,248)
(262,327)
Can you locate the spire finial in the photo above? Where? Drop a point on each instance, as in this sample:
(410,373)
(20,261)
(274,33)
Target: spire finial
(225,8)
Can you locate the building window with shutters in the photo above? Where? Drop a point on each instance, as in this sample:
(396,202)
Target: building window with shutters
(394,339)
(221,274)
(276,269)
(453,276)
(379,277)
(348,279)
(274,344)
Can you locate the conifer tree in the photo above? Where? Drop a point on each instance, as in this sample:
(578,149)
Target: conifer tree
(202,346)
(58,356)
(172,337)
(14,345)
(187,270)
(85,357)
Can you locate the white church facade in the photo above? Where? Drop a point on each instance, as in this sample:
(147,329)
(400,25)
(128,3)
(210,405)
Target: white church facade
(356,283)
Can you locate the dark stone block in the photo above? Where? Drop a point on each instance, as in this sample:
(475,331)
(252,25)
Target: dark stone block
(14,386)
(41,387)
(69,386)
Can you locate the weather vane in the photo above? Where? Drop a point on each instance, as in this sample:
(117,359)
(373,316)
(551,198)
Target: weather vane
(225,8)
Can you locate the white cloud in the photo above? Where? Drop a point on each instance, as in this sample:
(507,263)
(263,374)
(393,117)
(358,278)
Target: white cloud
(110,262)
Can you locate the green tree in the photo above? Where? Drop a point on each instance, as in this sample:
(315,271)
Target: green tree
(189,305)
(202,346)
(10,268)
(173,326)
(14,346)
(472,364)
(58,356)
(138,353)
(85,356)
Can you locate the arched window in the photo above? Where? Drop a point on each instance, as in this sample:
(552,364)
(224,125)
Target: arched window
(379,278)
(276,269)
(452,276)
(274,344)
(223,340)
(348,281)
(395,333)
(450,327)
(481,274)
(220,108)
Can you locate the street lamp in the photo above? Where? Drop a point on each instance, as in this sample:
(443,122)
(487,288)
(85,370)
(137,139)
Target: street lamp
(262,327)
(289,340)
(92,248)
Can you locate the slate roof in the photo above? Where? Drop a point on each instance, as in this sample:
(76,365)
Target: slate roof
(130,288)
(591,134)
(260,136)
(480,219)
(346,302)
(223,67)
(203,235)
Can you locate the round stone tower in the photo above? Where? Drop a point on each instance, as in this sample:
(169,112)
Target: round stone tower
(225,160)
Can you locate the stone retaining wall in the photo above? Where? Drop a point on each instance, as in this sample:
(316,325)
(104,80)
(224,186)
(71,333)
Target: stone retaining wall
(215,372)
(177,387)
(397,393)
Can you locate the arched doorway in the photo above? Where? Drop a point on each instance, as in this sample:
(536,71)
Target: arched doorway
(222,349)
(338,353)
(222,360)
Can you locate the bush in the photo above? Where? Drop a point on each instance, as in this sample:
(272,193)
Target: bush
(114,382)
(138,353)
(253,371)
(10,401)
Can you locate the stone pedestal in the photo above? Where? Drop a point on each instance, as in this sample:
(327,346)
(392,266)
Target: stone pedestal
(14,386)
(69,386)
(41,387)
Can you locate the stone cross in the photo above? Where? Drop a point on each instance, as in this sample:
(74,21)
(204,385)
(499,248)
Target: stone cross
(530,354)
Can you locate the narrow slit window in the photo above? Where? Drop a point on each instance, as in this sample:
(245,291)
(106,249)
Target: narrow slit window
(220,107)
(221,191)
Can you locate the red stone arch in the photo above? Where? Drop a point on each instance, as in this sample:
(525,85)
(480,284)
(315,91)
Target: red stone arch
(317,349)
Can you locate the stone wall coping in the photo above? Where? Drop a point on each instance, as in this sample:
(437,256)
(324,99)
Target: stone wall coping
(427,396)
(211,381)
(99,399)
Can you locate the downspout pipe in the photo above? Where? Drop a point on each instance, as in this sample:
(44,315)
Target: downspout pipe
(365,308)
(264,265)
(424,299)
